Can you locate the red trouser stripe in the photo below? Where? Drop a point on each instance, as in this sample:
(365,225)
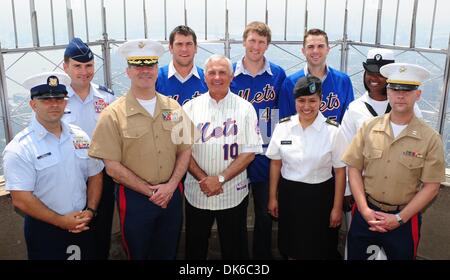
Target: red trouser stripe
(122,212)
(354,207)
(415,232)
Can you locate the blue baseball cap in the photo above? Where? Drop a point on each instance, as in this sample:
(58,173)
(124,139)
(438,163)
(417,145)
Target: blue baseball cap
(79,51)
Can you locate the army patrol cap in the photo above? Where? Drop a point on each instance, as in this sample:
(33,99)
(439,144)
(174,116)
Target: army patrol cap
(404,76)
(141,52)
(308,85)
(376,58)
(79,51)
(47,85)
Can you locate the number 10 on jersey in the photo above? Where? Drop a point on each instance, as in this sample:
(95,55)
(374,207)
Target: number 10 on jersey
(230,150)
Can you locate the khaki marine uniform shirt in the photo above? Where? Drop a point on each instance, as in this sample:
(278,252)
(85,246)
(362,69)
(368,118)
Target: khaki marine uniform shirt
(146,145)
(394,168)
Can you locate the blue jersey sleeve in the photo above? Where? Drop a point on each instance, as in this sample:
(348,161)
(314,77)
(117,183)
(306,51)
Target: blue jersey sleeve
(286,102)
(348,88)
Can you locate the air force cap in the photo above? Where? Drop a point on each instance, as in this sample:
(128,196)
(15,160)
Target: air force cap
(141,52)
(307,85)
(47,85)
(404,76)
(376,58)
(79,51)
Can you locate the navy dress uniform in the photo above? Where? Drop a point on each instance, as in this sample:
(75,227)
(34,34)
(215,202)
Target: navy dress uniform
(403,165)
(85,113)
(54,170)
(307,192)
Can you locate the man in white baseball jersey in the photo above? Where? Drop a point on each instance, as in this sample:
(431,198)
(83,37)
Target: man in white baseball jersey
(216,183)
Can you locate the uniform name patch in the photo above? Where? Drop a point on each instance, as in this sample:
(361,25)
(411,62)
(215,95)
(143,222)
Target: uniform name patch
(286,142)
(44,155)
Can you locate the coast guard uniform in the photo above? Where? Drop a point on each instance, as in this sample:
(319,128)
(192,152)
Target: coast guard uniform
(55,170)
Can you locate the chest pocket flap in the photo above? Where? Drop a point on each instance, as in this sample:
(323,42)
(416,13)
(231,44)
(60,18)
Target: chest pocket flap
(44,160)
(411,162)
(372,153)
(136,132)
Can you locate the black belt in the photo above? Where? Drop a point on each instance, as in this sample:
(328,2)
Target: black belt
(384,206)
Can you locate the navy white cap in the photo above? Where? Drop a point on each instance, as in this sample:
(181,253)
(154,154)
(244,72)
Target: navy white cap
(376,58)
(404,76)
(48,85)
(141,52)
(79,51)
(307,85)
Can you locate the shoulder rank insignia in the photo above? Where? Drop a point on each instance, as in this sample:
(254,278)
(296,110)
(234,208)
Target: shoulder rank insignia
(285,120)
(103,88)
(332,122)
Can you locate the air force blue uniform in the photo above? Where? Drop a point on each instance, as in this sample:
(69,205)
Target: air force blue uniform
(337,93)
(55,171)
(85,113)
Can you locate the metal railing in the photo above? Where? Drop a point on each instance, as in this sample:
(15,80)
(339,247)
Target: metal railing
(344,42)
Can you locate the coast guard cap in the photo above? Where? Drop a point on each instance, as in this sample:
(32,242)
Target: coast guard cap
(376,58)
(47,85)
(79,51)
(404,76)
(141,52)
(308,85)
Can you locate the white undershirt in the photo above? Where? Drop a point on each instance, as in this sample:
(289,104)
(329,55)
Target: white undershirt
(378,106)
(149,105)
(397,128)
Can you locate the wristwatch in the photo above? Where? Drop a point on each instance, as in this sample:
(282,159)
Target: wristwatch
(399,219)
(94,212)
(221,178)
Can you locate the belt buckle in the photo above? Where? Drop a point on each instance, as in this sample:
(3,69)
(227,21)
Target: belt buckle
(384,207)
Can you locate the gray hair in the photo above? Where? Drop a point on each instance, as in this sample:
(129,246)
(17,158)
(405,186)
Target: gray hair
(216,57)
